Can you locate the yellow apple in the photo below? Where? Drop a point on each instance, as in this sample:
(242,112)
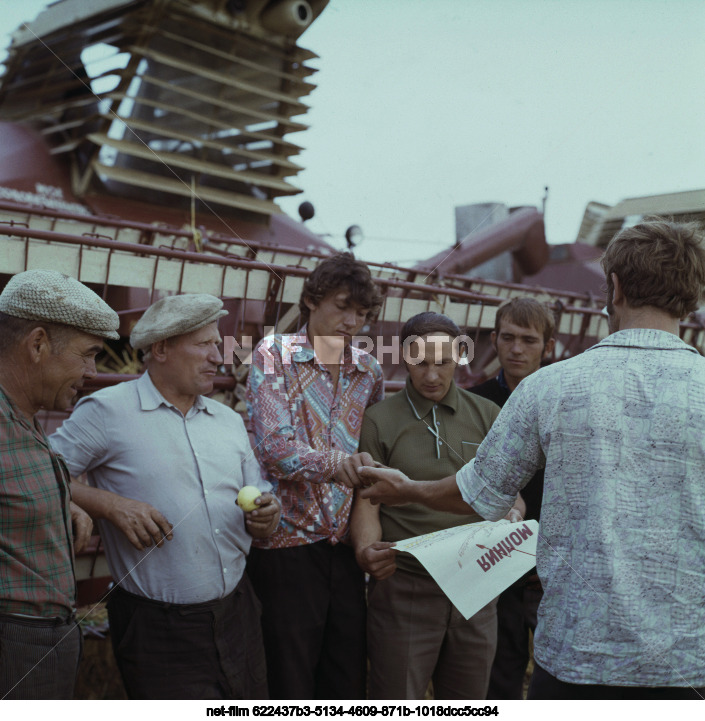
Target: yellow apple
(246,497)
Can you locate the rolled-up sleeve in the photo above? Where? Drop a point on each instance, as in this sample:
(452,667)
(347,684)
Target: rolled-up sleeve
(507,459)
(82,439)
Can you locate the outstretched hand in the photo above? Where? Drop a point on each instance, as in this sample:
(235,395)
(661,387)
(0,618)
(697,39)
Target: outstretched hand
(347,472)
(385,485)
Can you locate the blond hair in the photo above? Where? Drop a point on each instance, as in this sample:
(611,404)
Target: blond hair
(527,313)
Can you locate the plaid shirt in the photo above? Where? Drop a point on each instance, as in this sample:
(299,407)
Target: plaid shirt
(36,548)
(304,430)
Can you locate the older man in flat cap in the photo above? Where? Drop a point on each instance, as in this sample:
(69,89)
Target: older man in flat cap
(184,620)
(51,328)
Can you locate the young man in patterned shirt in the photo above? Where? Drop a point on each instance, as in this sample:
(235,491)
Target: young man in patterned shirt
(307,394)
(619,432)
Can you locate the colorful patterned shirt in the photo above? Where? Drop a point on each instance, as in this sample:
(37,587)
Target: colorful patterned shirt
(304,430)
(621,554)
(36,546)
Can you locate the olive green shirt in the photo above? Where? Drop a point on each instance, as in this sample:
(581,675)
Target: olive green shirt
(399,432)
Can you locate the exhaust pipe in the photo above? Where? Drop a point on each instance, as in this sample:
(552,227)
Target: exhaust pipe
(287,17)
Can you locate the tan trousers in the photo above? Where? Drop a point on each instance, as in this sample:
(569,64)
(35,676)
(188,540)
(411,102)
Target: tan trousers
(416,635)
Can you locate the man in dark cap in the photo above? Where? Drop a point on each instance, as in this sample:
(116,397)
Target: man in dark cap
(184,620)
(51,329)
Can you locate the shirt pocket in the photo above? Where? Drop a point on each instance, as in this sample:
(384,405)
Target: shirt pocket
(469,450)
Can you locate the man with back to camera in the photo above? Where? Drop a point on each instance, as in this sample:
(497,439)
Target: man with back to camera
(51,329)
(307,394)
(184,620)
(414,633)
(619,430)
(523,338)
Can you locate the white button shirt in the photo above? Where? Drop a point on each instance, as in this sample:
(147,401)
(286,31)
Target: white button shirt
(133,442)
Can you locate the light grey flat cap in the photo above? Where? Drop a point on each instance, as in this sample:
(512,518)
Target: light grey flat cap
(52,297)
(175,315)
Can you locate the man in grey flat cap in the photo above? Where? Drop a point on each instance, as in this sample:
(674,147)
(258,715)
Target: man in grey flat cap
(184,620)
(51,329)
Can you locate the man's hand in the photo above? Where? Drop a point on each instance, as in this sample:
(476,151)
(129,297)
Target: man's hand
(514,515)
(392,488)
(141,523)
(389,486)
(265,518)
(378,559)
(347,472)
(518,511)
(82,526)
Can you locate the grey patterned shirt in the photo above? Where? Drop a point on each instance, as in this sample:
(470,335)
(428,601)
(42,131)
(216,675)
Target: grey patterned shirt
(621,432)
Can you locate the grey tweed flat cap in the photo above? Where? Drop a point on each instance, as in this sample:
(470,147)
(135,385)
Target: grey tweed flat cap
(52,297)
(175,315)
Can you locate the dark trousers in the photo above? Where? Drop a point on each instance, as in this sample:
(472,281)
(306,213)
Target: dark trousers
(546,686)
(516,619)
(38,658)
(207,650)
(313,620)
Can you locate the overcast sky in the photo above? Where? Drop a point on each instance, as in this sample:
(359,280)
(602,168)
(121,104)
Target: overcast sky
(424,105)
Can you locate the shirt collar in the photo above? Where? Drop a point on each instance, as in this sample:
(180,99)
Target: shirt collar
(503,381)
(151,398)
(5,400)
(422,406)
(7,404)
(352,356)
(644,338)
(16,414)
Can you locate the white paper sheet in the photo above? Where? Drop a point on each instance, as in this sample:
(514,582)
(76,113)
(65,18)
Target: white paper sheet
(474,563)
